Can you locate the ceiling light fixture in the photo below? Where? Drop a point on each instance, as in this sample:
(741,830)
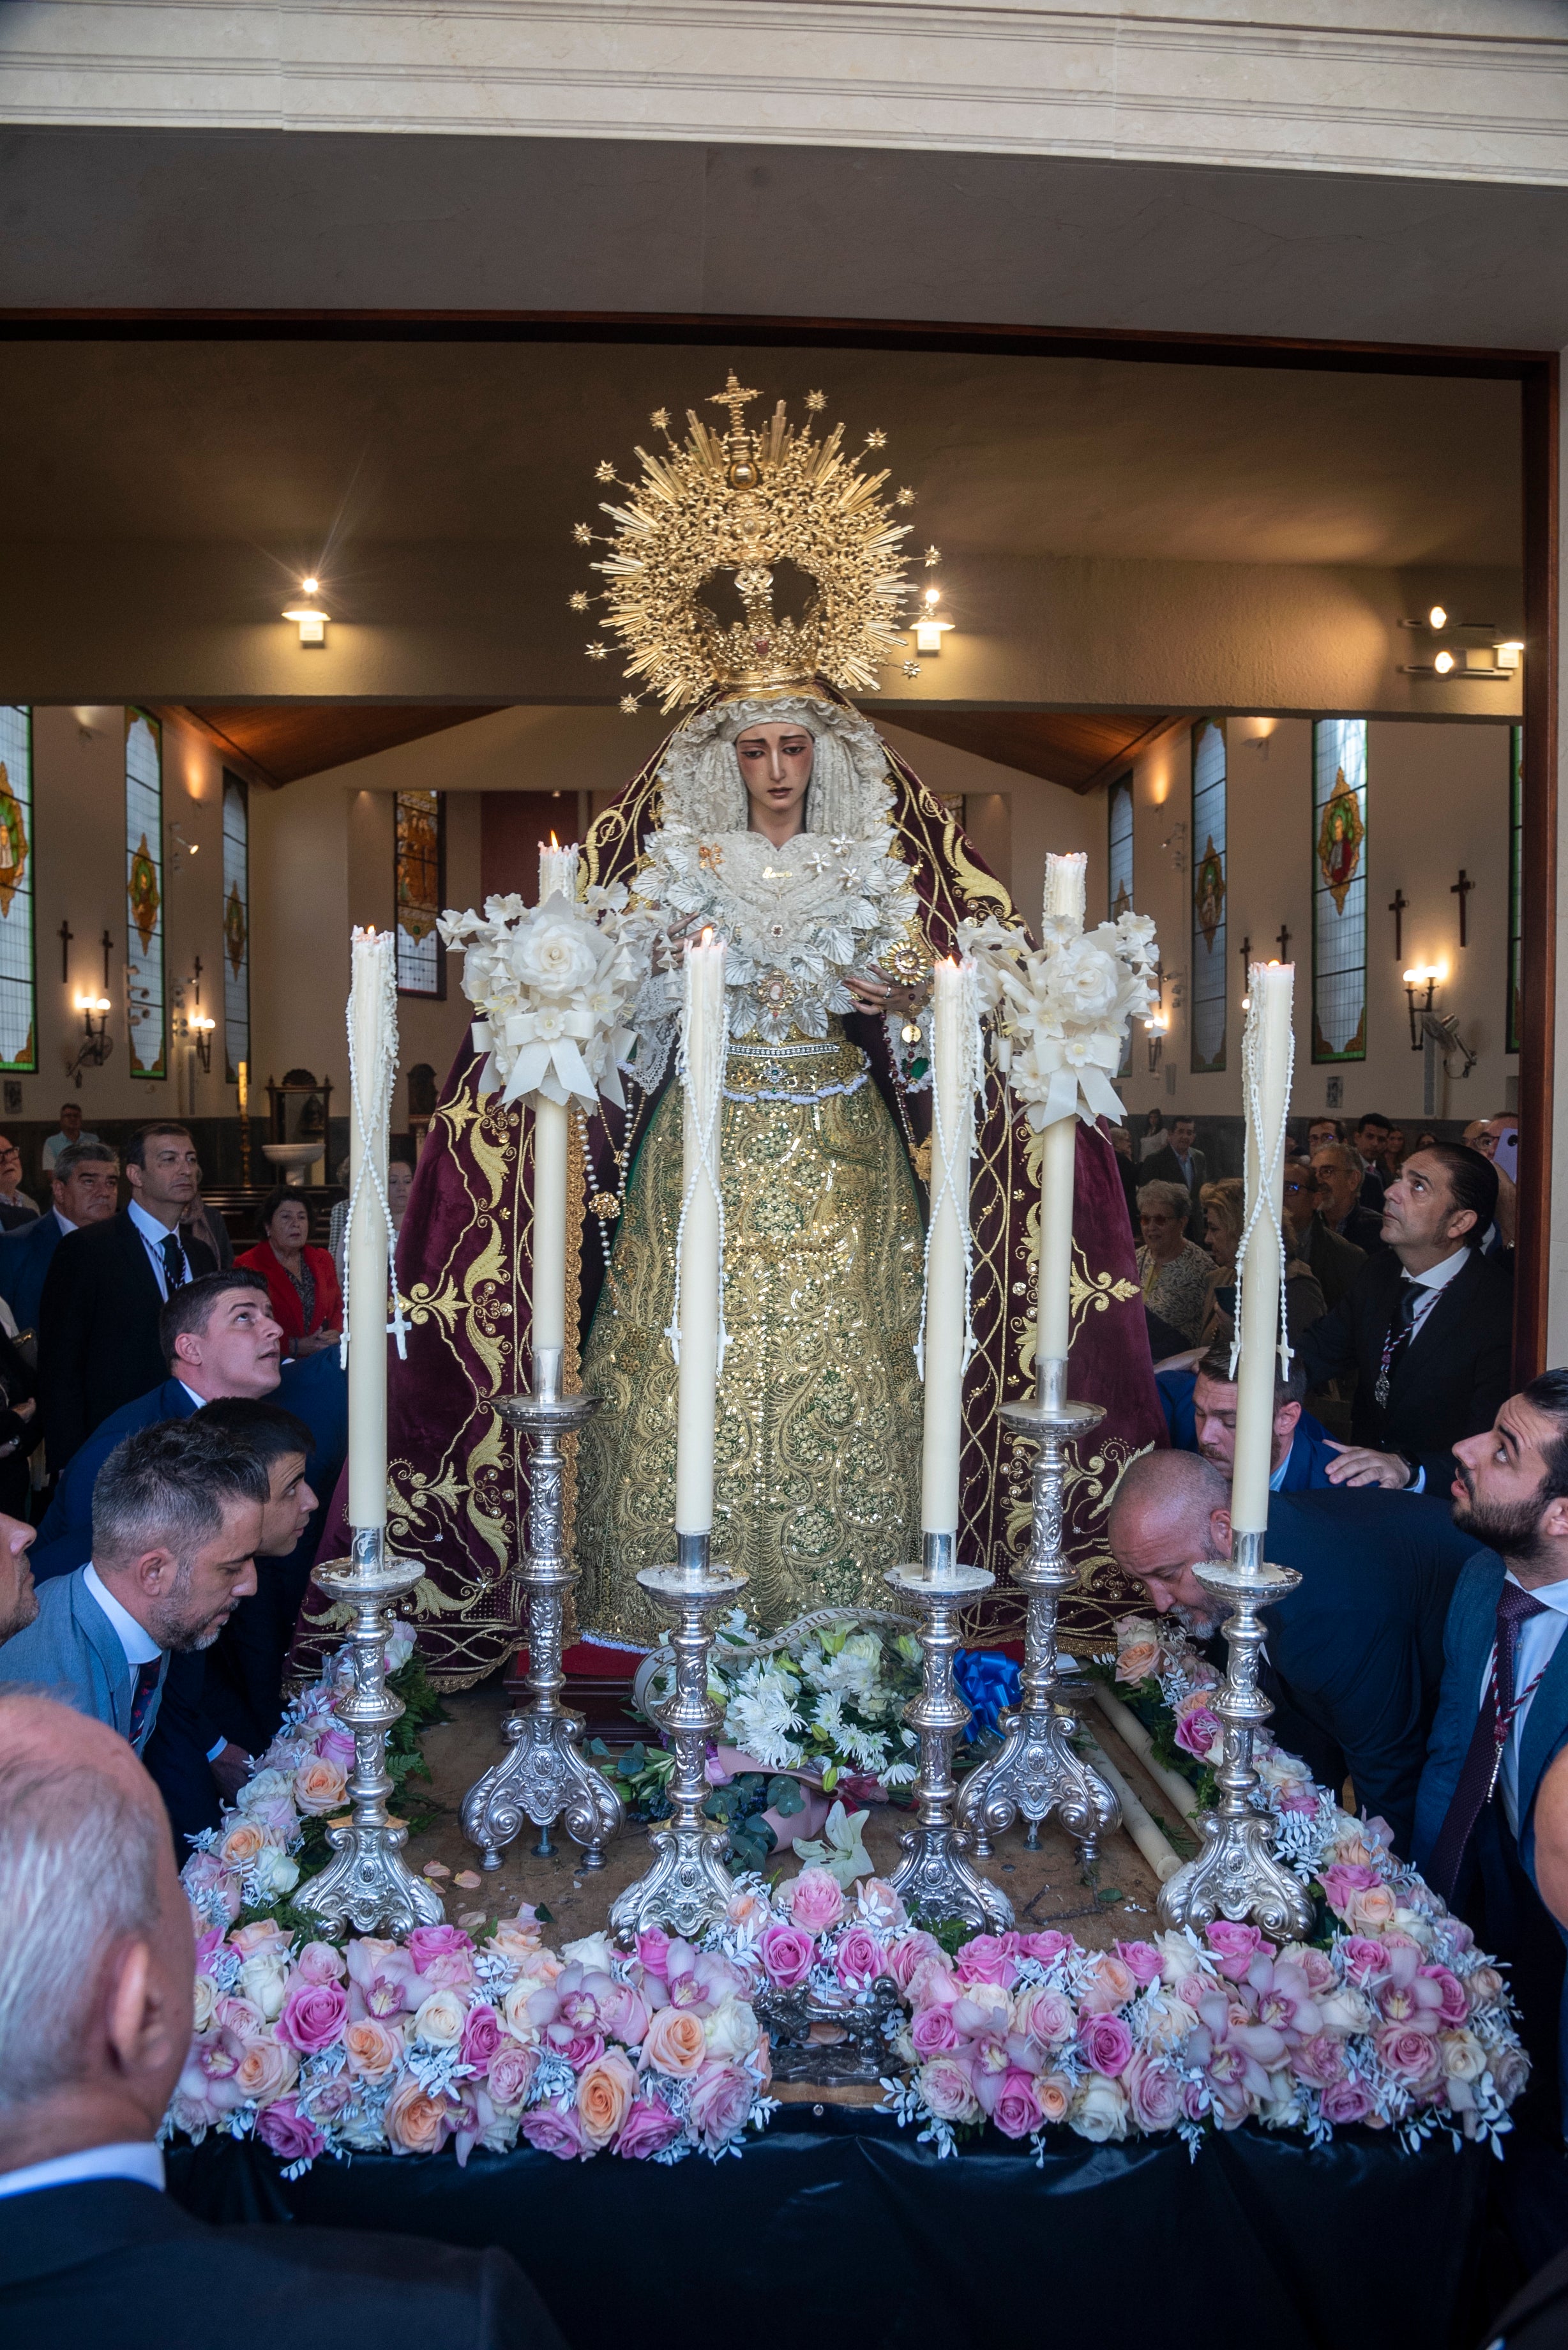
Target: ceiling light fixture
(308,614)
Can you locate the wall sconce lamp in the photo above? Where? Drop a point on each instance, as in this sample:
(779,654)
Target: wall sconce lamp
(1424,975)
(929,630)
(1490,662)
(202,1027)
(307,611)
(96,1043)
(1157,1024)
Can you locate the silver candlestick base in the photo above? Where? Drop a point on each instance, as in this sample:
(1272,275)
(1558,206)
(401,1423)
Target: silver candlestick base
(543,1777)
(368,1884)
(688,1888)
(1235,1875)
(1038,1773)
(934,1880)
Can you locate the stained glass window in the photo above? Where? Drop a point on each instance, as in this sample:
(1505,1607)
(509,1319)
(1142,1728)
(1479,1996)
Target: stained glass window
(1120,809)
(1515,883)
(236,925)
(420,883)
(19,994)
(144,1009)
(1339,890)
(1209,962)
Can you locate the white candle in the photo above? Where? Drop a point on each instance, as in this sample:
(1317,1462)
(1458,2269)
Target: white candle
(557,870)
(1268,1036)
(952,1146)
(549,1228)
(702,1032)
(373,1030)
(1064,902)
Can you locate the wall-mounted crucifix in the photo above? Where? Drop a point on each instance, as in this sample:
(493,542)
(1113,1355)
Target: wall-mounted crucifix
(1245,951)
(66,934)
(1284,942)
(1399,906)
(106,942)
(1461,890)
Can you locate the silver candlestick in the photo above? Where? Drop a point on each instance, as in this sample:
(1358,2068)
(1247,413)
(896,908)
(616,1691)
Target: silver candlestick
(1038,1771)
(368,1884)
(1235,1875)
(543,1777)
(934,1880)
(688,1888)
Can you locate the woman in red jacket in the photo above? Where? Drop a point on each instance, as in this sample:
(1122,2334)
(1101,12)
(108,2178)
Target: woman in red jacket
(301,1281)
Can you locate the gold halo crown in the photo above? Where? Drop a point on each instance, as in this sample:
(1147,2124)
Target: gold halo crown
(740,501)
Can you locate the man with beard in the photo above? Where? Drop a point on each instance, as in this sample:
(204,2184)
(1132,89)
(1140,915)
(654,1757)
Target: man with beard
(1503,1713)
(1354,1652)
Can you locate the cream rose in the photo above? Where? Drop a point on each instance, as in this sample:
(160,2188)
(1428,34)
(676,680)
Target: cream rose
(263,1980)
(203,1995)
(320,1787)
(1484,1985)
(554,953)
(594,1954)
(1348,2011)
(438,2022)
(731,2031)
(1099,2110)
(605,2092)
(1464,2058)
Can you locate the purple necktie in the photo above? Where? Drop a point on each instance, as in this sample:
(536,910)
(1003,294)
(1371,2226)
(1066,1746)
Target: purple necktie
(147,1679)
(1494,1725)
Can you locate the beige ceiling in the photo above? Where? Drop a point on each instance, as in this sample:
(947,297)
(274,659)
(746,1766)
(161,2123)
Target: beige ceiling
(315,453)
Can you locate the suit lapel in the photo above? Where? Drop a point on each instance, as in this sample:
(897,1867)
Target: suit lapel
(138,1264)
(104,1641)
(1443,1316)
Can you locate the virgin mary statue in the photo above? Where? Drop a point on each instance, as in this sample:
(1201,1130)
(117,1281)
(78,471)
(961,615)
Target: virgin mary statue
(776,815)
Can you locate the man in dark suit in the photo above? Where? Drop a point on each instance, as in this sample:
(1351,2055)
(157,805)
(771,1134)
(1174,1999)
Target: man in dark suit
(98,1318)
(1355,1651)
(84,1184)
(97,1953)
(1427,1327)
(1339,1181)
(1200,1413)
(1369,1143)
(1504,1711)
(1333,1261)
(1180,1162)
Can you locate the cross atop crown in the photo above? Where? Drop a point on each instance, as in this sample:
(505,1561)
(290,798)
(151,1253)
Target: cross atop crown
(734,397)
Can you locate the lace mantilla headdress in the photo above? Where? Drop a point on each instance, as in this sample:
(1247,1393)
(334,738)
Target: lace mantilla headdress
(850,795)
(739,502)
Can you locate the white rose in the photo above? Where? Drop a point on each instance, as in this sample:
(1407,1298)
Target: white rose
(1417,1924)
(263,1788)
(1164,2022)
(594,1954)
(1348,2011)
(275,1873)
(263,1980)
(1099,2110)
(731,2031)
(440,2021)
(554,953)
(1464,2058)
(1089,982)
(1179,1957)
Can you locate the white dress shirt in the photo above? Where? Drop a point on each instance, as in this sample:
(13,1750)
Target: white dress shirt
(64,1222)
(153,1235)
(136,2158)
(141,1647)
(1534,1646)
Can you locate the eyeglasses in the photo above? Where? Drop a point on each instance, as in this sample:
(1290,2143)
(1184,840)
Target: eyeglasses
(1312,1184)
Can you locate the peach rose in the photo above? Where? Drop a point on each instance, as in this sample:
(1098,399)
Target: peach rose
(320,1787)
(244,1844)
(516,1937)
(1464,2058)
(1484,1985)
(605,2092)
(266,2070)
(1054,2093)
(416,2123)
(202,2003)
(1371,1909)
(676,2043)
(1108,1982)
(1135,1662)
(373,2049)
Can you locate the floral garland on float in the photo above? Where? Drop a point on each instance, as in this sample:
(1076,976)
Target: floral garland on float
(1388,2016)
(1059,1012)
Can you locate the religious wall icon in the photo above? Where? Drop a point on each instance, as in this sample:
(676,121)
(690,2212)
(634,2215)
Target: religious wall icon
(145,899)
(1339,839)
(12,842)
(1209,893)
(234,930)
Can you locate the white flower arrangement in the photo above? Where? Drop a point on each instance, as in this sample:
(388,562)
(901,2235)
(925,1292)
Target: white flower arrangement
(827,1699)
(554,986)
(1060,1011)
(795,920)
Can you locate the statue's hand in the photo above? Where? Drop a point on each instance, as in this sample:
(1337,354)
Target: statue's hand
(667,948)
(874,992)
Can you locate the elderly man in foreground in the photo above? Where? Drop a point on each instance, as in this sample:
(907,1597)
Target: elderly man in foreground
(97,1966)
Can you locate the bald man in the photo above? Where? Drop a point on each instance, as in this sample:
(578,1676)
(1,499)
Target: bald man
(97,1964)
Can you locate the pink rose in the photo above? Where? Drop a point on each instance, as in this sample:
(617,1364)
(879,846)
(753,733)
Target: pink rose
(441,1954)
(648,2130)
(265,1937)
(1016,2112)
(1412,2057)
(1046,1946)
(909,1953)
(318,1962)
(1153,2092)
(860,1959)
(948,2087)
(1316,1965)
(675,2042)
(580,2049)
(653,1950)
(720,2100)
(1141,1960)
(1234,1947)
(1363,1961)
(481,2037)
(1456,2007)
(1320,2061)
(1196,1732)
(511,2072)
(932,2031)
(626,2014)
(985,1958)
(786,1953)
(1106,2044)
(1045,2017)
(1344,2102)
(936,1986)
(313,2017)
(284,2128)
(560,2134)
(1343,1880)
(335,1745)
(815,1901)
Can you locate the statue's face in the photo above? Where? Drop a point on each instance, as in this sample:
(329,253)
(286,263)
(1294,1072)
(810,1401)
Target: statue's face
(775,767)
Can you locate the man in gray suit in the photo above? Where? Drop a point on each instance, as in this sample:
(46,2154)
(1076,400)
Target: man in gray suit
(177,1515)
